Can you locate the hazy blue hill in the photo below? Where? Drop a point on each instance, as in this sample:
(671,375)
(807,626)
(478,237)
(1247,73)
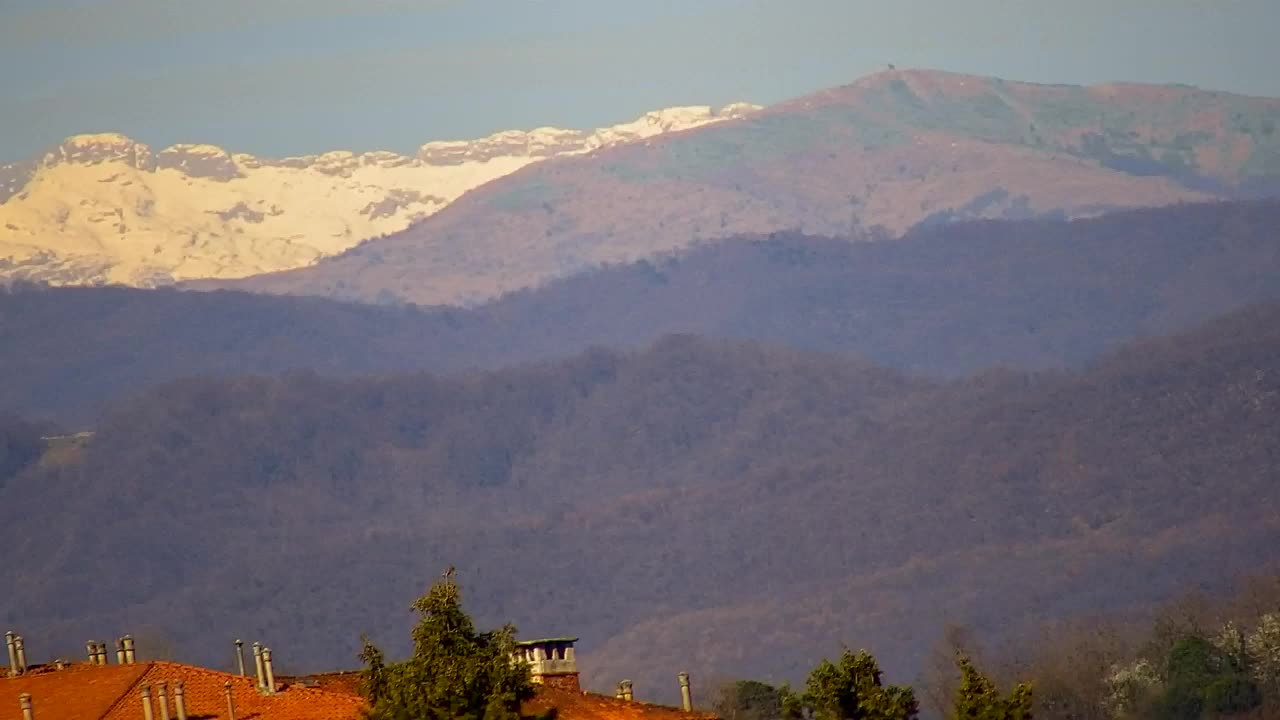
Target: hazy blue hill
(946,299)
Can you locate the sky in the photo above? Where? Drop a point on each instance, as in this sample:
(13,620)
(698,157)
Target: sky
(289,77)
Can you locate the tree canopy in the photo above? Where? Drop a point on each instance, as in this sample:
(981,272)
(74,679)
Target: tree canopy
(852,689)
(978,699)
(455,672)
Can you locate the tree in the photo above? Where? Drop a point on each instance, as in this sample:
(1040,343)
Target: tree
(853,690)
(978,699)
(748,700)
(1200,677)
(455,673)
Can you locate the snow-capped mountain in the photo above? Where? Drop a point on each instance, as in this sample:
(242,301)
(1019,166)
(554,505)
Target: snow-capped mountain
(105,208)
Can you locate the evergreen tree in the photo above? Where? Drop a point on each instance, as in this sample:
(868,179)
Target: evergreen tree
(978,699)
(853,690)
(455,673)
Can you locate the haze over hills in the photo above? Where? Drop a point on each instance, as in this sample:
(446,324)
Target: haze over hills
(106,208)
(945,299)
(742,508)
(894,149)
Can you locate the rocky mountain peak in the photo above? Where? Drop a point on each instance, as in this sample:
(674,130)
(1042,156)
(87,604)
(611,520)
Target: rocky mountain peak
(203,161)
(552,141)
(91,149)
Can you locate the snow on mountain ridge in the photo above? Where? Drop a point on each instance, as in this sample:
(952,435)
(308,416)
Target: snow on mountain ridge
(105,208)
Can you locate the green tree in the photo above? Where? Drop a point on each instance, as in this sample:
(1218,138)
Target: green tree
(1200,678)
(455,673)
(978,699)
(748,700)
(853,690)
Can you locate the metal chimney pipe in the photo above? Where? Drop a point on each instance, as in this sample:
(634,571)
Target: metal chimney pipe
(13,653)
(163,697)
(620,694)
(240,656)
(231,704)
(686,696)
(128,649)
(91,648)
(20,647)
(102,653)
(271,676)
(179,700)
(120,651)
(626,690)
(24,701)
(257,663)
(147,712)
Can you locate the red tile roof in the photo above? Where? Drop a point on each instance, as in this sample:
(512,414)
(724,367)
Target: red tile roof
(589,706)
(78,692)
(114,692)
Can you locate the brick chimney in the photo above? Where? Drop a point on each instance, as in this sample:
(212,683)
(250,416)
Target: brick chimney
(551,662)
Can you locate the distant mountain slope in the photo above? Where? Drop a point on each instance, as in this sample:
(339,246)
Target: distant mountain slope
(946,299)
(105,208)
(896,149)
(735,509)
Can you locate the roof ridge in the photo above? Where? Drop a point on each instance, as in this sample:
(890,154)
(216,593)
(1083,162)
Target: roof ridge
(127,691)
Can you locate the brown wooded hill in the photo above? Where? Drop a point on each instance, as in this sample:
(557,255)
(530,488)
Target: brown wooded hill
(731,509)
(894,149)
(946,299)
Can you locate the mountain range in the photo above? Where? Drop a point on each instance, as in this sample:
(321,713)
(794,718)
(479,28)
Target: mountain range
(105,208)
(944,300)
(728,508)
(891,151)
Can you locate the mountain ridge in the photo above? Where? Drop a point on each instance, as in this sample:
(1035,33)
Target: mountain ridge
(107,208)
(943,300)
(894,150)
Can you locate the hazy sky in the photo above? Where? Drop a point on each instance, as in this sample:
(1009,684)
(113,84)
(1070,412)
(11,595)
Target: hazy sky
(278,77)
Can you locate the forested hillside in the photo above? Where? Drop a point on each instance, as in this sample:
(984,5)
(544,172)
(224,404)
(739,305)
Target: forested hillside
(944,300)
(735,508)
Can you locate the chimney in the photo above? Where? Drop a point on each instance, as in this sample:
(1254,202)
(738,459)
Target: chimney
(240,656)
(270,674)
(147,712)
(163,697)
(231,704)
(257,662)
(551,662)
(128,649)
(102,653)
(626,690)
(686,696)
(24,701)
(13,653)
(120,651)
(20,647)
(59,664)
(179,700)
(91,648)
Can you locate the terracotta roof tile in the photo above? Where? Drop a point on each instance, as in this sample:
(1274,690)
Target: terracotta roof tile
(205,697)
(77,692)
(113,692)
(570,705)
(589,706)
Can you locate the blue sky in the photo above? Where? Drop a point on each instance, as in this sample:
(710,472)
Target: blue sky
(280,77)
